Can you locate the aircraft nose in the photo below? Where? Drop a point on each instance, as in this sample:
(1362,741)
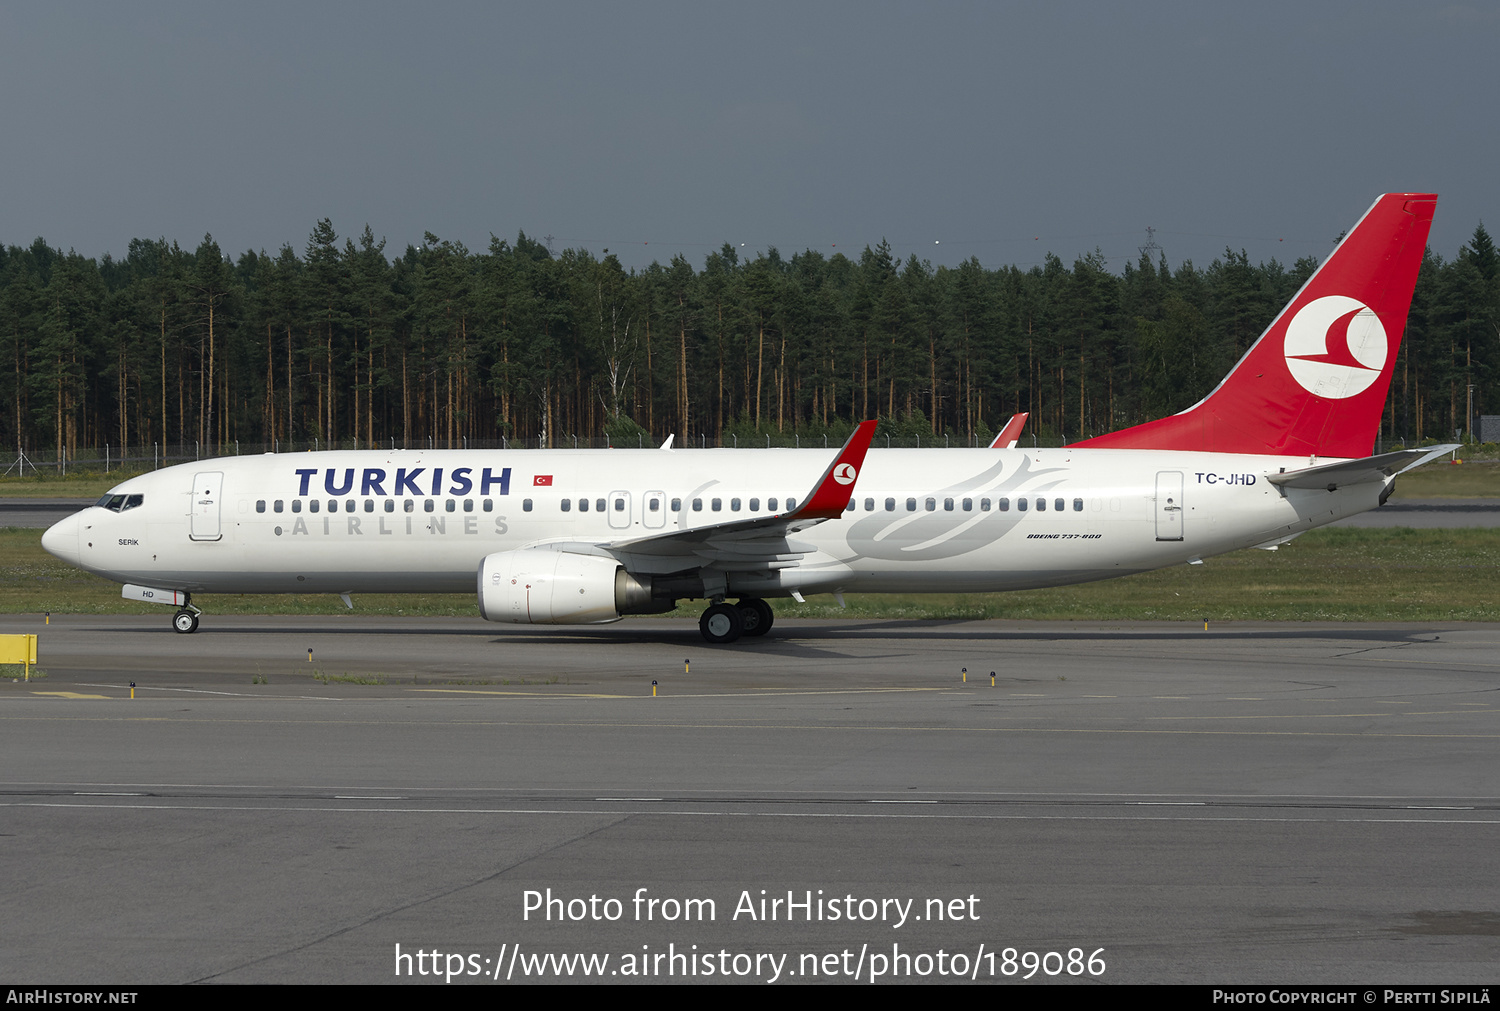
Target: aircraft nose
(61,539)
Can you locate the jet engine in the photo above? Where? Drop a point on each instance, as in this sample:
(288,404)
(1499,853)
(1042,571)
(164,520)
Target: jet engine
(539,586)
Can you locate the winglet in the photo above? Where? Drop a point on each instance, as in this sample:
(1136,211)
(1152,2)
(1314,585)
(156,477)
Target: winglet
(831,494)
(1011,433)
(668,444)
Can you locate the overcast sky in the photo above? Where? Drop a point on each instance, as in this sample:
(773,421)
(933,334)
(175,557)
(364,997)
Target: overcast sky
(1001,131)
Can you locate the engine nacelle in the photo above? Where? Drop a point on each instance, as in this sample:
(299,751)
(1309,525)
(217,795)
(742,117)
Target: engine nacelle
(537,586)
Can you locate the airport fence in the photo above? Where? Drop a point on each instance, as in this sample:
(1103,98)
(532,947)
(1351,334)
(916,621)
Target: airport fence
(154,456)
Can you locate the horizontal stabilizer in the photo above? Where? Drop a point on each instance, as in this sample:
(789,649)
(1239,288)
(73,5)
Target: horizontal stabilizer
(1329,476)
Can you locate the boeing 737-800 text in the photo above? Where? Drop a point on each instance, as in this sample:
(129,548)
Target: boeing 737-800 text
(580,536)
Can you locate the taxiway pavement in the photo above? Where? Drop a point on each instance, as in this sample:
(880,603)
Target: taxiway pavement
(1250,803)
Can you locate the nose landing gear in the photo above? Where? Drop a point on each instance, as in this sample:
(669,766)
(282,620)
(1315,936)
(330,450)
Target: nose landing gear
(186,618)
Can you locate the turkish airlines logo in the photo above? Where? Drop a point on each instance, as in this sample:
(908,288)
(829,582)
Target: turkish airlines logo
(1335,347)
(845,473)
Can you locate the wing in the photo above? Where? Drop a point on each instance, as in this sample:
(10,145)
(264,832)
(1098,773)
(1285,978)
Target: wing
(762,541)
(1011,433)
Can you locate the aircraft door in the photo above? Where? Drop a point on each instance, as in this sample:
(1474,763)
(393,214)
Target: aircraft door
(1169,505)
(206,494)
(619,510)
(654,510)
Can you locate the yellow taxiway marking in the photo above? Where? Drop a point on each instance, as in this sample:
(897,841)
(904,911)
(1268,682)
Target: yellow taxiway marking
(71,695)
(728,693)
(752,725)
(542,695)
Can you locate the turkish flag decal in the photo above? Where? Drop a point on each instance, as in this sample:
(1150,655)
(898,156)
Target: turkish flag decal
(542,481)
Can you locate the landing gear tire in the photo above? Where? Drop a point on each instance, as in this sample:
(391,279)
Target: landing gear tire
(755,615)
(722,623)
(185,622)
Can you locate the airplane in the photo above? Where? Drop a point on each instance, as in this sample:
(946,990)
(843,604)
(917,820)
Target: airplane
(564,537)
(1011,433)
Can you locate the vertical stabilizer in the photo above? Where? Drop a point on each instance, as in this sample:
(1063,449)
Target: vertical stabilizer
(1315,383)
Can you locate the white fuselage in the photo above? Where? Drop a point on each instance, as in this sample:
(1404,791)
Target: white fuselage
(921,520)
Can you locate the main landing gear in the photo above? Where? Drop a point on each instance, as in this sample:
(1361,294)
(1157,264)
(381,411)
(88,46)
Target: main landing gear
(725,622)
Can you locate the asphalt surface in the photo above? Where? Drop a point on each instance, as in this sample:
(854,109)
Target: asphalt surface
(1250,803)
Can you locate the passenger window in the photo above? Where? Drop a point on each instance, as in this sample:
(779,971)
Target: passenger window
(296,505)
(619,505)
(869,505)
(653,504)
(468,505)
(598,505)
(1041,505)
(716,504)
(450,505)
(428,505)
(984,505)
(488,504)
(677,505)
(333,505)
(755,505)
(771,504)
(1078,505)
(734,505)
(526,505)
(277,506)
(791,504)
(567,505)
(583,505)
(390,505)
(260,505)
(931,504)
(312,505)
(348,505)
(968,505)
(697,505)
(947,505)
(1059,504)
(851,506)
(890,505)
(409,506)
(1020,504)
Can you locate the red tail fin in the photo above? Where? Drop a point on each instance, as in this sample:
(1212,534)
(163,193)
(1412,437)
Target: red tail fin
(1315,382)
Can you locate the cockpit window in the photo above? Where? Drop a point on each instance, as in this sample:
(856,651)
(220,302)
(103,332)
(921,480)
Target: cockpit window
(120,503)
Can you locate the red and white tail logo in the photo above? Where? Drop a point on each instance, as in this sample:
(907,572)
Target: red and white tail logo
(1315,382)
(1335,347)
